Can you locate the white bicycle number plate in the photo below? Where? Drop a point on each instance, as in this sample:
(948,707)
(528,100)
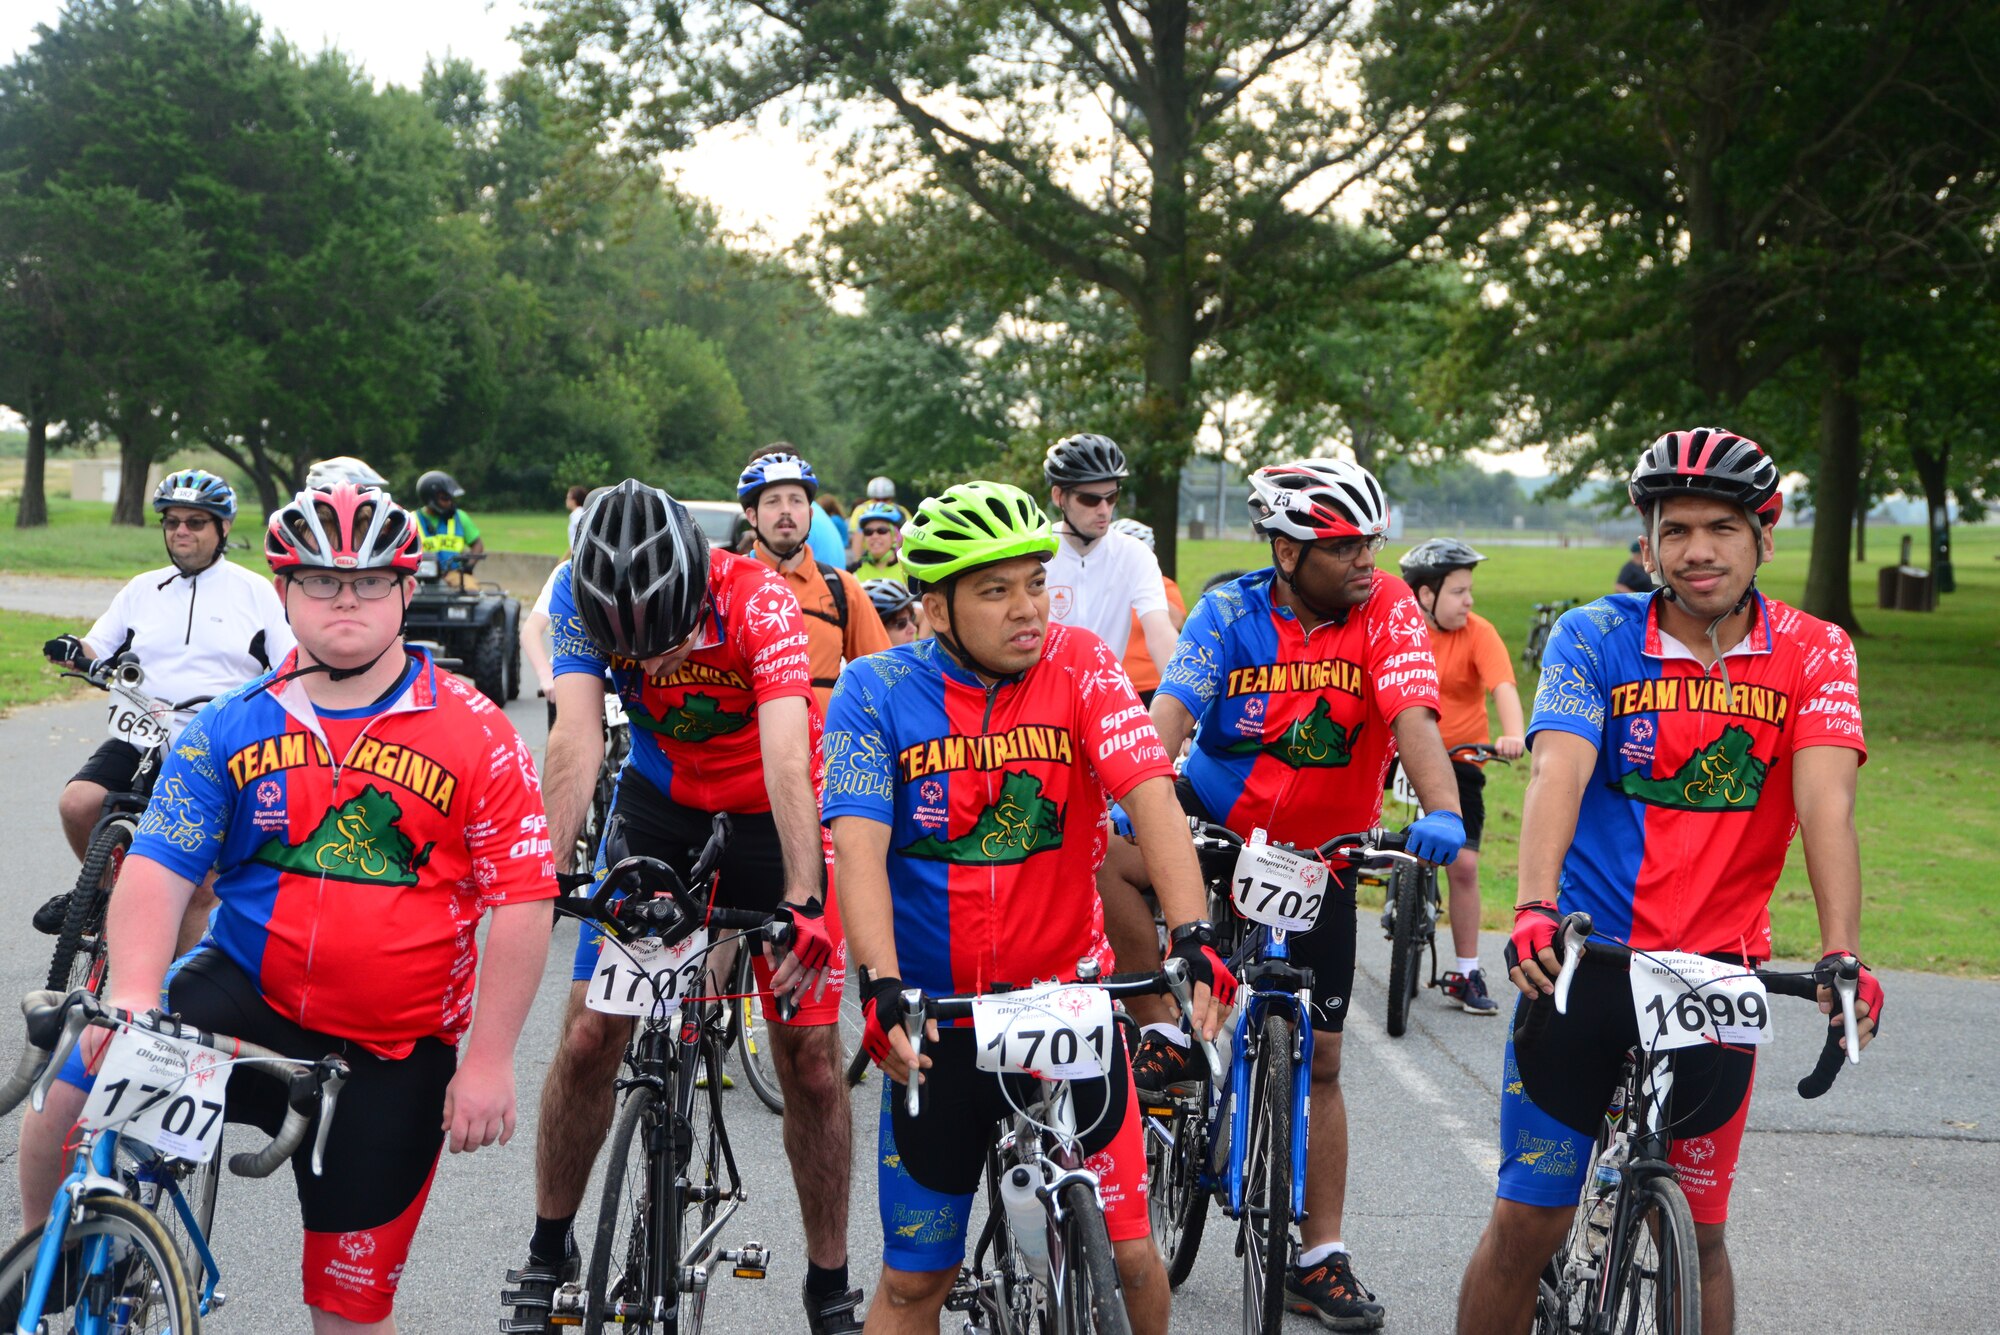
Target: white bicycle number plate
(160,1091)
(134,719)
(624,983)
(1277,887)
(1057,1032)
(614,710)
(1400,789)
(1684,1001)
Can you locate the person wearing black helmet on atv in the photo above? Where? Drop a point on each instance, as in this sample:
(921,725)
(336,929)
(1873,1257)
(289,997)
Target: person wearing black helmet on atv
(449,533)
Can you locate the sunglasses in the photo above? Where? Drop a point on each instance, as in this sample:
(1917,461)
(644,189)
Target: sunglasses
(198,524)
(901,621)
(876,532)
(325,588)
(1093,499)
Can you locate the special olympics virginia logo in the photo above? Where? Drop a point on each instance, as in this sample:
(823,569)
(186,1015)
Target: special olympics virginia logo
(357,1245)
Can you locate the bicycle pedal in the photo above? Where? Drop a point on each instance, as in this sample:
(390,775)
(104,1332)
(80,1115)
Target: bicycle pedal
(750,1261)
(568,1305)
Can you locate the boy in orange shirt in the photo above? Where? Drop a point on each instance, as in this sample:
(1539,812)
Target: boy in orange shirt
(1471,661)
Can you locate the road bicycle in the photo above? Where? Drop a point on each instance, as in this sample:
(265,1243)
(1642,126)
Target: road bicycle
(146,723)
(1412,903)
(1540,623)
(1243,1141)
(125,1247)
(671,1182)
(1043,1261)
(1630,1262)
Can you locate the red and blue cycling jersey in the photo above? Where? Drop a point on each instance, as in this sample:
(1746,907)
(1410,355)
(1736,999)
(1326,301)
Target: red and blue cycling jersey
(356,850)
(1292,728)
(1683,829)
(995,800)
(694,731)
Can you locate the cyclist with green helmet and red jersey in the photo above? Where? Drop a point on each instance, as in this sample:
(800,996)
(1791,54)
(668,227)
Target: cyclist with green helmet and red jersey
(966,784)
(1679,737)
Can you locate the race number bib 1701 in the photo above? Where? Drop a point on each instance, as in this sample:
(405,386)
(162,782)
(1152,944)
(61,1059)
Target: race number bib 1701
(1686,1000)
(1277,887)
(631,975)
(160,1091)
(1060,1032)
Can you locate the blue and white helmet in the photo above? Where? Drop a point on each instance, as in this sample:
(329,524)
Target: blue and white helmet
(196,489)
(775,468)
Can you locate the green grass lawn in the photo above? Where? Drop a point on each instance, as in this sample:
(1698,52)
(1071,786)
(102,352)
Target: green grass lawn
(25,677)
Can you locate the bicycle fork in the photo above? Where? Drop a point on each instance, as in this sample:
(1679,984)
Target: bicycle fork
(92,1180)
(1249,1021)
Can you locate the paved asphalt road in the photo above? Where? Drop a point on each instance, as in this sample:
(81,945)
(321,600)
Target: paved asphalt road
(1873,1209)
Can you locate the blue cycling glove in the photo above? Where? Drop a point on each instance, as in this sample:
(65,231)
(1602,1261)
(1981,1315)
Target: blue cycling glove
(1436,837)
(1121,824)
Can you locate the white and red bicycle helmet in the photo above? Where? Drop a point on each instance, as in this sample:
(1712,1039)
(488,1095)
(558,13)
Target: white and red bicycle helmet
(343,527)
(1712,462)
(1318,498)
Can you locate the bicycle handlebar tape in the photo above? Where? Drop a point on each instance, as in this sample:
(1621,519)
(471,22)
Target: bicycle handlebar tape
(1831,1056)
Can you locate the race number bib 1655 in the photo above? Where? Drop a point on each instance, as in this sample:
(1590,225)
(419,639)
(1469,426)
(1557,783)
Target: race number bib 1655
(135,719)
(161,1092)
(1687,1000)
(630,975)
(1277,887)
(1060,1032)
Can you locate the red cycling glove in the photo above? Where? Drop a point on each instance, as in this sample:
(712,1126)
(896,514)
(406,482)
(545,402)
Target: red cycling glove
(1535,928)
(881,1014)
(810,941)
(1205,966)
(1868,989)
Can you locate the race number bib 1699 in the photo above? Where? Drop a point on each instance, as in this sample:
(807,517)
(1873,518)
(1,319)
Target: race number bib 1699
(1686,1000)
(160,1091)
(1058,1032)
(1277,887)
(631,975)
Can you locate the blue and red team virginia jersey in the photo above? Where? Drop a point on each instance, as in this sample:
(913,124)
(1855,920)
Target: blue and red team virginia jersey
(1292,730)
(995,802)
(694,732)
(1685,824)
(356,850)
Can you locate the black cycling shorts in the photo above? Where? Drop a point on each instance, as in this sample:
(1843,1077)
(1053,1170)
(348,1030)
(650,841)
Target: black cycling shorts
(112,766)
(1328,949)
(1471,800)
(646,822)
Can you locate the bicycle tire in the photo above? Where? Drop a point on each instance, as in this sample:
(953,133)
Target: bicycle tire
(1177,1202)
(1093,1300)
(625,1224)
(148,1272)
(79,954)
(197,1184)
(1406,947)
(752,1036)
(1656,1270)
(1266,1223)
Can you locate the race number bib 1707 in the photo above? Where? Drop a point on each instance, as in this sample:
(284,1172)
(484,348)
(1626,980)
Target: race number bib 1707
(631,975)
(1277,887)
(1686,1000)
(160,1091)
(1060,1032)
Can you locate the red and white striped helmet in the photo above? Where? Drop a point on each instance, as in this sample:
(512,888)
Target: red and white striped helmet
(1318,498)
(343,527)
(1708,461)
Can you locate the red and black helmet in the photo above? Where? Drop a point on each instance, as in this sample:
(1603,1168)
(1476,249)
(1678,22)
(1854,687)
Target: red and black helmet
(343,527)
(1708,461)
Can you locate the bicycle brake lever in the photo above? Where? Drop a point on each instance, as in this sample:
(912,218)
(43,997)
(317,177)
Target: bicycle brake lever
(1175,971)
(1575,931)
(913,1029)
(78,1016)
(329,1094)
(1847,985)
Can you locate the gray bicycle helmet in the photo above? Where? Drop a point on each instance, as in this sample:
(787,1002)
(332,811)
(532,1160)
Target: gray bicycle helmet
(639,572)
(1132,528)
(1083,458)
(1432,559)
(890,596)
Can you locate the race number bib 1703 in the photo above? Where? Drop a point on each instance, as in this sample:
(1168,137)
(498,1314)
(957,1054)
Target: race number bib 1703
(1277,887)
(160,1091)
(1060,1032)
(1686,1000)
(631,975)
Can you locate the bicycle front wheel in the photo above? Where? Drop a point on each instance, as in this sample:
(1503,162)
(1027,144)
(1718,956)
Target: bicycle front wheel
(79,958)
(1092,1299)
(160,1180)
(1176,1141)
(753,1036)
(1406,944)
(1656,1271)
(622,1278)
(116,1271)
(1267,1180)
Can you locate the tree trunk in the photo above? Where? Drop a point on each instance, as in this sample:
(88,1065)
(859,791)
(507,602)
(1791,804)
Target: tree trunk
(1836,485)
(34,509)
(1166,421)
(135,460)
(1933,469)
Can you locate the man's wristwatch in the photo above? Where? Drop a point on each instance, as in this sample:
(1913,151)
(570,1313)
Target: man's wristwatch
(1200,931)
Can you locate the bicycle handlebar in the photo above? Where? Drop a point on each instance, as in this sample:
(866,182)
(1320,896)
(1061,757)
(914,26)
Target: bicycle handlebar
(1575,944)
(1377,845)
(1478,753)
(56,1023)
(124,671)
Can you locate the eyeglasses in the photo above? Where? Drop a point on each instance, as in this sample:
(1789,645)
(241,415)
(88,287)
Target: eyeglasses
(194,524)
(901,621)
(1347,549)
(325,588)
(876,532)
(1093,499)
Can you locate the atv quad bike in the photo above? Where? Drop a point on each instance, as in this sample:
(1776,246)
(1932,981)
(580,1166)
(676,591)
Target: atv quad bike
(480,626)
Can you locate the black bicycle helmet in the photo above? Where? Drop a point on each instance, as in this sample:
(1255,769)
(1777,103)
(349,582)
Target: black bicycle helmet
(1708,461)
(435,484)
(1432,559)
(1085,457)
(639,572)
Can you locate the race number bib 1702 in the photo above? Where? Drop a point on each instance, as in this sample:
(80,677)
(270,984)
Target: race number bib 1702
(1060,1032)
(632,975)
(1277,887)
(160,1091)
(1686,1000)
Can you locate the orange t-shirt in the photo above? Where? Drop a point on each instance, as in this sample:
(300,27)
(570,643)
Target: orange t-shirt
(1139,665)
(1471,661)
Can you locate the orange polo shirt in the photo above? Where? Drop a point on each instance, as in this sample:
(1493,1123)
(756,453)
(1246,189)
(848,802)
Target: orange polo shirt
(827,645)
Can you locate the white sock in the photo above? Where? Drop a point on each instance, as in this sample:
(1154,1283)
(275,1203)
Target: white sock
(1171,1032)
(1466,964)
(1312,1256)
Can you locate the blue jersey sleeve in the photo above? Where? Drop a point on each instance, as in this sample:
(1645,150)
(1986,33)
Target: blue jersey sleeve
(860,766)
(1194,675)
(1571,695)
(573,650)
(185,822)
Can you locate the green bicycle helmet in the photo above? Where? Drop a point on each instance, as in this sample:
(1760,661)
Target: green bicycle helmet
(974,524)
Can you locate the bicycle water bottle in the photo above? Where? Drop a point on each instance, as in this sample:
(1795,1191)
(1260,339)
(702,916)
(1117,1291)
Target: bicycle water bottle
(1026,1219)
(1597,1226)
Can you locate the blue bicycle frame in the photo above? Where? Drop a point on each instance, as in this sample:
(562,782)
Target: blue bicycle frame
(1264,947)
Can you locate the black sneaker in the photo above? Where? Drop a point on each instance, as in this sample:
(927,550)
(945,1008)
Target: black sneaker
(1331,1295)
(531,1291)
(49,917)
(1469,991)
(839,1314)
(1162,1067)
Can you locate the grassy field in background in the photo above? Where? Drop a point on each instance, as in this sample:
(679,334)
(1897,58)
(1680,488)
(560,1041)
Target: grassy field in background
(25,678)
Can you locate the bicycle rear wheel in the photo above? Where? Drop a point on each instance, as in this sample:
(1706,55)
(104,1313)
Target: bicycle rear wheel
(621,1280)
(79,958)
(1406,944)
(700,1179)
(1175,1146)
(1092,1299)
(1267,1180)
(1656,1271)
(752,1035)
(116,1270)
